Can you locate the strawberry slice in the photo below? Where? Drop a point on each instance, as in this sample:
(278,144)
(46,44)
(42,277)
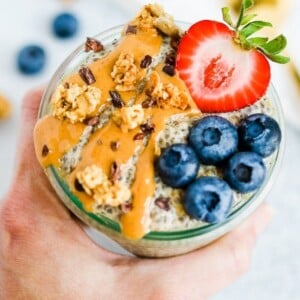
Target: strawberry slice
(220,75)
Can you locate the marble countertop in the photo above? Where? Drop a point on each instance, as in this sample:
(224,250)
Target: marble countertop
(275,270)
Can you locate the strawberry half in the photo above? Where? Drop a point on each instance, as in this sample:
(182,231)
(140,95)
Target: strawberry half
(224,68)
(220,75)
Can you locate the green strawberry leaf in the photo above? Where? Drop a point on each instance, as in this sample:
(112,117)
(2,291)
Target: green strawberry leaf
(278,58)
(270,49)
(247,18)
(247,4)
(253,27)
(276,45)
(226,16)
(257,41)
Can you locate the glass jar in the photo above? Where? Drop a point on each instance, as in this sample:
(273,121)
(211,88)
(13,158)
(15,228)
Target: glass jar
(154,244)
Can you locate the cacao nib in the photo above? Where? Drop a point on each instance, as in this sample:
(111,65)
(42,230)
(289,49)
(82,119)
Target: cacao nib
(163,203)
(114,172)
(66,85)
(45,151)
(175,42)
(139,136)
(168,69)
(115,145)
(92,121)
(116,99)
(131,29)
(146,62)
(93,45)
(78,186)
(170,59)
(149,102)
(87,75)
(147,128)
(126,207)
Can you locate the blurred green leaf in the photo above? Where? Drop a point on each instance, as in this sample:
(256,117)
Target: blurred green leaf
(226,16)
(247,4)
(253,27)
(247,18)
(278,58)
(258,41)
(276,45)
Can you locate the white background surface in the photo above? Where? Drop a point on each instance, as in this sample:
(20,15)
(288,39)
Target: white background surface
(275,272)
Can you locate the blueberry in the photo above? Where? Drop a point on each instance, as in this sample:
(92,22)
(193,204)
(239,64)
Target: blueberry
(259,133)
(208,199)
(245,172)
(214,139)
(65,25)
(31,59)
(178,165)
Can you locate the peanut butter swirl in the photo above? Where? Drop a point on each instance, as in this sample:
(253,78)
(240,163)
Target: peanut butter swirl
(99,176)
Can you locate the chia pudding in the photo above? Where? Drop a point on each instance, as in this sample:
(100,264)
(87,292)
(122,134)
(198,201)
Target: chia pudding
(110,119)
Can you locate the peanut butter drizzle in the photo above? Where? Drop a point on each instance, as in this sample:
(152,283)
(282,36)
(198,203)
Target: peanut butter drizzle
(98,150)
(58,136)
(134,223)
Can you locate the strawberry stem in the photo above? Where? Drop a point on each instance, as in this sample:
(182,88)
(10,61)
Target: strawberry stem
(245,27)
(242,11)
(245,4)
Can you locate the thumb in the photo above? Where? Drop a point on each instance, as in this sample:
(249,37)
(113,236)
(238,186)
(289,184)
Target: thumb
(30,107)
(27,168)
(30,191)
(30,179)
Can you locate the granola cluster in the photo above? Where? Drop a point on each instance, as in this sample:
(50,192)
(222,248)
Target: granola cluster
(167,94)
(144,19)
(125,73)
(154,16)
(5,108)
(76,103)
(96,184)
(128,118)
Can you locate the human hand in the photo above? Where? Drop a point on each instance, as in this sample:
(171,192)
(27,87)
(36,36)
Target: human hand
(45,253)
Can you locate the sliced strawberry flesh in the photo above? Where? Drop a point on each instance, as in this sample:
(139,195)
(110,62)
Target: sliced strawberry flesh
(220,75)
(217,74)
